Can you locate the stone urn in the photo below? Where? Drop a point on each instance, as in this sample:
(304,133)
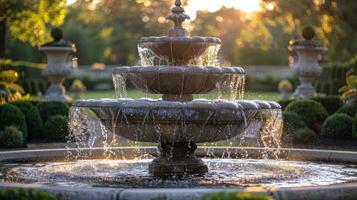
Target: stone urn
(59,65)
(306,68)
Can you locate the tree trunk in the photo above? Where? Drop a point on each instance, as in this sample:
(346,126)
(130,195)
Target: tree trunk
(2,38)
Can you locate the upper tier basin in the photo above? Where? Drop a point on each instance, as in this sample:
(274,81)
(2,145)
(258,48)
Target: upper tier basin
(178,50)
(194,121)
(180,82)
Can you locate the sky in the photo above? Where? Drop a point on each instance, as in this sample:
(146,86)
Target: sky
(214,5)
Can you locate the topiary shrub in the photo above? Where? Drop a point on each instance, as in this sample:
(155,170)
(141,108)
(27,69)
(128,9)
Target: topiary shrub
(32,116)
(52,108)
(235,196)
(337,126)
(292,122)
(56,128)
(313,113)
(11,137)
(330,103)
(20,194)
(303,136)
(285,103)
(354,128)
(10,115)
(349,109)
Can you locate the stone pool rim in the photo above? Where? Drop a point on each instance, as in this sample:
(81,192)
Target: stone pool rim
(330,192)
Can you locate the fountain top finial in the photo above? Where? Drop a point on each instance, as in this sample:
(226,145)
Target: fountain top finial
(178,3)
(178,16)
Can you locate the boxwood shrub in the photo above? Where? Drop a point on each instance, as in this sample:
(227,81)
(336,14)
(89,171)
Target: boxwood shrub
(312,112)
(303,136)
(10,115)
(32,116)
(349,109)
(235,196)
(337,126)
(20,194)
(52,108)
(354,128)
(56,128)
(11,137)
(292,122)
(330,103)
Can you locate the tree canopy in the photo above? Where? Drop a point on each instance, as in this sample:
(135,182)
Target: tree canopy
(29,20)
(107,31)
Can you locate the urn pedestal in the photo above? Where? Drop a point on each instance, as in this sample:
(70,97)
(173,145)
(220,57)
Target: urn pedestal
(59,66)
(307,68)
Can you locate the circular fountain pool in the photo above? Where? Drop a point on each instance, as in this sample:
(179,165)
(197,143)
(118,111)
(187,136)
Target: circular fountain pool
(222,173)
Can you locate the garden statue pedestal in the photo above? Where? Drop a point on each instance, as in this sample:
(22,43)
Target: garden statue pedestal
(307,67)
(59,65)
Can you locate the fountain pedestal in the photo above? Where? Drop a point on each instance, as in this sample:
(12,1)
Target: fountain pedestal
(59,65)
(177,159)
(307,67)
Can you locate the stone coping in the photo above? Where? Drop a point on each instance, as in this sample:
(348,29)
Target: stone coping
(206,105)
(235,152)
(332,192)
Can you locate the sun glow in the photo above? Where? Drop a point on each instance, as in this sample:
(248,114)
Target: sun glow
(247,6)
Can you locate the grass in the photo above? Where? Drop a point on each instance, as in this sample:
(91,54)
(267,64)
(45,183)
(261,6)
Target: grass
(135,94)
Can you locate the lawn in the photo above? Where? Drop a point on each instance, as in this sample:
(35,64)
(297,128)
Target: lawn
(135,94)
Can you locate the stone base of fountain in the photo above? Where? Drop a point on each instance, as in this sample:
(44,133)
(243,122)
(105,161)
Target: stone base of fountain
(177,159)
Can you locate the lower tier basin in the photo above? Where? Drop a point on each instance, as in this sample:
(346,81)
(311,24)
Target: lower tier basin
(178,126)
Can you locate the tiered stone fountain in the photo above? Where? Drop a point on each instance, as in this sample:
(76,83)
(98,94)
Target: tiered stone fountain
(178,122)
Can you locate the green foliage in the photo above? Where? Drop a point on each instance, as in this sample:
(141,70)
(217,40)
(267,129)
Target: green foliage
(354,128)
(12,116)
(303,136)
(20,194)
(349,109)
(312,112)
(32,116)
(337,126)
(51,108)
(11,137)
(24,16)
(56,128)
(285,103)
(330,103)
(292,122)
(235,196)
(333,21)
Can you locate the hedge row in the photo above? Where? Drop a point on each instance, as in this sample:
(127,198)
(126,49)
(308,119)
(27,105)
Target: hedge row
(44,121)
(324,116)
(334,76)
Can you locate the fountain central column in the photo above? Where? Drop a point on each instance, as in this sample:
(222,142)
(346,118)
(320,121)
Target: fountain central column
(178,159)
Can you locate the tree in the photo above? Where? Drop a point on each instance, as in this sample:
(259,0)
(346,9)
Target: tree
(334,20)
(28,20)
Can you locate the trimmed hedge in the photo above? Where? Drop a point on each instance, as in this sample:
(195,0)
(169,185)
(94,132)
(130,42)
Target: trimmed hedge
(337,126)
(11,137)
(348,109)
(56,128)
(330,103)
(52,108)
(32,116)
(303,136)
(10,115)
(292,122)
(20,194)
(354,128)
(312,112)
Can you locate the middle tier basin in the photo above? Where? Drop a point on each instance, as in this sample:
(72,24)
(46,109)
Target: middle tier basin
(181,80)
(195,121)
